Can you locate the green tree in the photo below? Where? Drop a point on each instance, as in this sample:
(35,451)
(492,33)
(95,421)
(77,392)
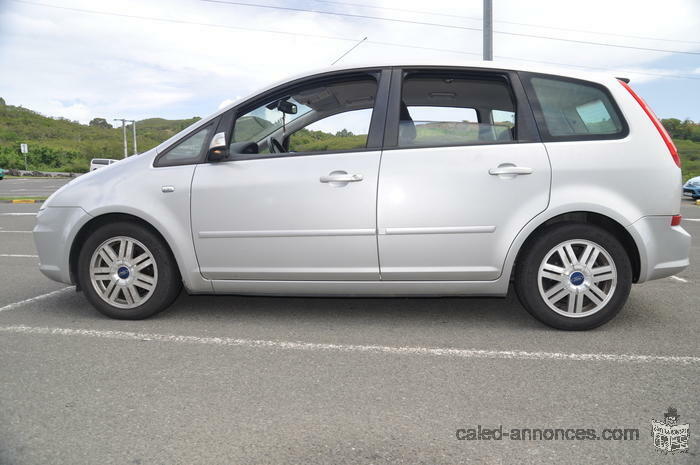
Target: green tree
(672,125)
(100,123)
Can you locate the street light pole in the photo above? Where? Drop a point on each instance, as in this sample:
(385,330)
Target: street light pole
(488,30)
(133,127)
(123,132)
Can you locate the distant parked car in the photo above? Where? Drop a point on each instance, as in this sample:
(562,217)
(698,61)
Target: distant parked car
(2,173)
(97,163)
(387,180)
(692,188)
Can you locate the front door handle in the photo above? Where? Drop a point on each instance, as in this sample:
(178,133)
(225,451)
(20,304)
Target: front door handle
(510,169)
(340,177)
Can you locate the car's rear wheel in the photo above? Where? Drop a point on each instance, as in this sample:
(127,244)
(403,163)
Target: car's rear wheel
(127,272)
(574,276)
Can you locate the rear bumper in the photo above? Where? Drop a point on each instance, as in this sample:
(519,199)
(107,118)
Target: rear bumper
(664,250)
(54,232)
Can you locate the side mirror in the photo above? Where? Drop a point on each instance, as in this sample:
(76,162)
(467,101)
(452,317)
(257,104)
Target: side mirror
(217,148)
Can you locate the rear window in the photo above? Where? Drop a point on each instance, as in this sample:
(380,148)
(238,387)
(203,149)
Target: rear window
(574,110)
(98,161)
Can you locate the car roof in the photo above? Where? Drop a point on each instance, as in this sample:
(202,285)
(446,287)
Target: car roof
(499,64)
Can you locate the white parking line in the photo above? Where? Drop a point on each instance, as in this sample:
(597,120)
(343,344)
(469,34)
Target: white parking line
(13,255)
(691,219)
(683,280)
(17,214)
(311,346)
(34,299)
(16,232)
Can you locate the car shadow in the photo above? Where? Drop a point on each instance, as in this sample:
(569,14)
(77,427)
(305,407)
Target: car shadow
(477,316)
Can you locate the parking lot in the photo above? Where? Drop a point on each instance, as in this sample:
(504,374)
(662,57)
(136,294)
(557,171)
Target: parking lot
(30,187)
(232,379)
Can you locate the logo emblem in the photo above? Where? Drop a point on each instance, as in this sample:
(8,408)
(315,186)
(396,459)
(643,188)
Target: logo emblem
(123,272)
(670,437)
(577,278)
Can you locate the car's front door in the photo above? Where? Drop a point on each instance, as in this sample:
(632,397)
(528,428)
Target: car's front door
(461,174)
(306,208)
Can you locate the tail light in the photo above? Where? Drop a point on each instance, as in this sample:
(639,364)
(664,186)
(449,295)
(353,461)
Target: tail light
(676,220)
(659,127)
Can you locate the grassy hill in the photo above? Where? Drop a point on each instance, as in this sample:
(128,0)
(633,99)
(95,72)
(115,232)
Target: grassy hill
(690,157)
(57,144)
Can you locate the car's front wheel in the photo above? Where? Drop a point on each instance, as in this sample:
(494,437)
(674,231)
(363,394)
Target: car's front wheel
(574,276)
(127,272)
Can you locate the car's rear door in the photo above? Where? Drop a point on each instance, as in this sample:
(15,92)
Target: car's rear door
(462,172)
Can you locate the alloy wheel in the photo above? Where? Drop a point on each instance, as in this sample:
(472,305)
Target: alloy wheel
(577,278)
(123,272)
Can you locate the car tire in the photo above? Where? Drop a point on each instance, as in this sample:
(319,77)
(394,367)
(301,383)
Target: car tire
(573,276)
(127,271)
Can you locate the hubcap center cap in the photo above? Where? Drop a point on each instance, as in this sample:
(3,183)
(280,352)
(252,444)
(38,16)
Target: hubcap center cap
(577,278)
(123,272)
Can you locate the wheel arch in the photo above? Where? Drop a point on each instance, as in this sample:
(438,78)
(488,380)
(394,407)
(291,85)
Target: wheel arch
(587,217)
(96,222)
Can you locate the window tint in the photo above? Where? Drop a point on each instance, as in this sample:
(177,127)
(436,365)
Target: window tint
(570,109)
(187,150)
(328,117)
(445,110)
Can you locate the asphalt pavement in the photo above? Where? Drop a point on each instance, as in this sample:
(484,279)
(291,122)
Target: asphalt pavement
(30,187)
(257,380)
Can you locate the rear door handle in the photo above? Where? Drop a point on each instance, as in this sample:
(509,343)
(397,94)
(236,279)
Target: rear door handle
(508,169)
(341,176)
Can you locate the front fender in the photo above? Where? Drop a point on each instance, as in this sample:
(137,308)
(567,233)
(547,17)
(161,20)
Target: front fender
(134,187)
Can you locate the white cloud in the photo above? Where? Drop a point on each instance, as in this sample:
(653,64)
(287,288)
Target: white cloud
(228,101)
(124,67)
(73,112)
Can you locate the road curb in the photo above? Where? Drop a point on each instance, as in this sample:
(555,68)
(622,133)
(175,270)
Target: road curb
(22,201)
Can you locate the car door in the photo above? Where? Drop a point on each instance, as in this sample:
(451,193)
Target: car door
(462,172)
(302,213)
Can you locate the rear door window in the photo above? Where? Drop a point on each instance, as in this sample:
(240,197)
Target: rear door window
(568,109)
(451,109)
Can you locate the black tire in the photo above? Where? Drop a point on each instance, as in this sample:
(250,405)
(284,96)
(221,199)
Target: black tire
(535,251)
(168,283)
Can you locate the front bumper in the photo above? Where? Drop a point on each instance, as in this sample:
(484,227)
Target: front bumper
(55,229)
(664,250)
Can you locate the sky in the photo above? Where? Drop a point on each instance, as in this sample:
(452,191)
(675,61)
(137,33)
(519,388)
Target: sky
(183,58)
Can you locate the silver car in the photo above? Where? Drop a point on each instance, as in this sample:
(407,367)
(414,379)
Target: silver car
(387,180)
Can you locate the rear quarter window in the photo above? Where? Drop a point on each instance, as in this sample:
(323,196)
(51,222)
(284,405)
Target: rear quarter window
(570,109)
